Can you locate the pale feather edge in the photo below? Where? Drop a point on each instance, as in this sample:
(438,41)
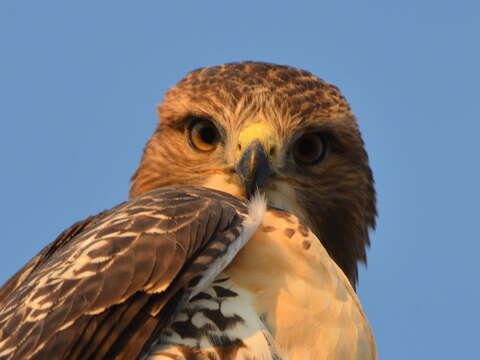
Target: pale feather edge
(257,207)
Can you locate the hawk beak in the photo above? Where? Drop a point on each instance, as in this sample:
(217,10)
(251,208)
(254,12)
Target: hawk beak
(254,167)
(254,164)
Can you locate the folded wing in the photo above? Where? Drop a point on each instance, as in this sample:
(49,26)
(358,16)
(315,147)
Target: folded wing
(108,285)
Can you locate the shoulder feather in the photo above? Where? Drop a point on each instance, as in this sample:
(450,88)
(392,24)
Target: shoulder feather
(108,285)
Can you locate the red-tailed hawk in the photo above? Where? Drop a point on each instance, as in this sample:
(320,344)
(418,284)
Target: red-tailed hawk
(247,217)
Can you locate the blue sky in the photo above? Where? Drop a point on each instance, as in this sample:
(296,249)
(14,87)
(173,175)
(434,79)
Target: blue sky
(80,82)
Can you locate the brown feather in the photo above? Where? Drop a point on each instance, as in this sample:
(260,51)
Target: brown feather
(339,201)
(22,274)
(95,292)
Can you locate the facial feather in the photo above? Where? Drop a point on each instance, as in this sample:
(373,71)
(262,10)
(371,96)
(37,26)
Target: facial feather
(335,197)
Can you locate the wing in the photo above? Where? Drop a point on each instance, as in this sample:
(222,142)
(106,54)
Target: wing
(105,288)
(44,254)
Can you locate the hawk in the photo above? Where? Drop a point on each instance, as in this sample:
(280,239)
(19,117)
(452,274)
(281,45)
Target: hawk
(246,220)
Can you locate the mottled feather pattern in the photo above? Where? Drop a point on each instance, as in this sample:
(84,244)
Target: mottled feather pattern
(338,199)
(126,264)
(44,254)
(297,90)
(282,297)
(218,324)
(169,274)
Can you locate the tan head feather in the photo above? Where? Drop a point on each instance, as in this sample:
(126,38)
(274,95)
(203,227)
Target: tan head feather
(335,197)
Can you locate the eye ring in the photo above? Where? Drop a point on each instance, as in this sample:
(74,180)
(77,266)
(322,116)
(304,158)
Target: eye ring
(309,149)
(203,135)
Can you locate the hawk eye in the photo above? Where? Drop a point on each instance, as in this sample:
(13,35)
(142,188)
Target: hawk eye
(203,135)
(309,149)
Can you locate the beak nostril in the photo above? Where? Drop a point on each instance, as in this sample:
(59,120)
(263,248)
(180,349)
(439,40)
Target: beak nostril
(239,147)
(272,151)
(254,167)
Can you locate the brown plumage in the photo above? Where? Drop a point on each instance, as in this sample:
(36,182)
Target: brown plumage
(183,271)
(107,286)
(335,197)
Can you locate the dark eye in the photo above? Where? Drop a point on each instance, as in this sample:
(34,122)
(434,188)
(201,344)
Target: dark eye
(309,149)
(203,135)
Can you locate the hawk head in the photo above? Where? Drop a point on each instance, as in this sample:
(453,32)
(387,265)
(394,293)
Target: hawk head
(242,126)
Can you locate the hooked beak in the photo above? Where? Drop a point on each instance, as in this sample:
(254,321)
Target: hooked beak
(254,167)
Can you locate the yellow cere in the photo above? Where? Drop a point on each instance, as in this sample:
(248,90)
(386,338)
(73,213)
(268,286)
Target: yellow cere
(258,130)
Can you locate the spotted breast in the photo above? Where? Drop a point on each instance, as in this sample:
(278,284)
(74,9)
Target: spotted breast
(282,297)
